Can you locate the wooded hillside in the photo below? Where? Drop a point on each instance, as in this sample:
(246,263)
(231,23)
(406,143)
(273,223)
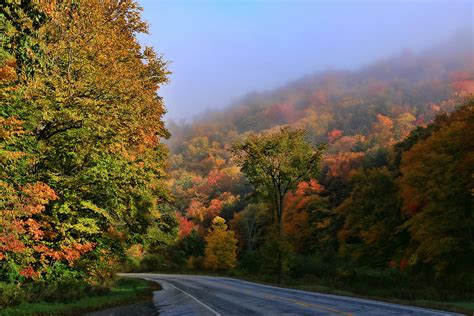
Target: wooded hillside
(393,191)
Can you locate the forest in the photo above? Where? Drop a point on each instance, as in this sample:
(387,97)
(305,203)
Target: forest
(387,200)
(360,180)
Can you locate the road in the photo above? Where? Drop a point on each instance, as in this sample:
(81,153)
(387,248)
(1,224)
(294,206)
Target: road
(205,295)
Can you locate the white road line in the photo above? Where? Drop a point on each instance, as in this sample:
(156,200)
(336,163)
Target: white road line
(203,304)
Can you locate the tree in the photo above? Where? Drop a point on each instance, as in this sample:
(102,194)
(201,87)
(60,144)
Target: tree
(81,129)
(20,21)
(95,111)
(371,217)
(436,186)
(185,226)
(246,224)
(299,206)
(26,250)
(275,163)
(221,248)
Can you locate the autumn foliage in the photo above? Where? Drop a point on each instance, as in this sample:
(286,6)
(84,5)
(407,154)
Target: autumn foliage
(344,177)
(436,185)
(81,163)
(221,249)
(392,192)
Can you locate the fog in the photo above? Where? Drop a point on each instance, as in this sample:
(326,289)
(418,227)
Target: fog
(222,49)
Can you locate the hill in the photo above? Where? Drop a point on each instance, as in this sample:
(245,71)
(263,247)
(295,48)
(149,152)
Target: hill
(377,210)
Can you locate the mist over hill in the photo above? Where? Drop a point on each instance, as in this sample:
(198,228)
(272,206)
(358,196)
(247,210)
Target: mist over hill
(415,83)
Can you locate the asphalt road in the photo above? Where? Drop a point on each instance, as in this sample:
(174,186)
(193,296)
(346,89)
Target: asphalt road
(204,295)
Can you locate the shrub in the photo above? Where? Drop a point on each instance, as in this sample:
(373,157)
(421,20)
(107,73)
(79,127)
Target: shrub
(250,262)
(273,247)
(41,290)
(133,257)
(154,262)
(313,264)
(194,263)
(10,294)
(57,290)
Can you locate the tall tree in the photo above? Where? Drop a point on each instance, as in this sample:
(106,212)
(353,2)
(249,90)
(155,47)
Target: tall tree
(91,120)
(275,163)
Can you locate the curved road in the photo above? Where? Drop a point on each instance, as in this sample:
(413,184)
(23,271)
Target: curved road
(205,295)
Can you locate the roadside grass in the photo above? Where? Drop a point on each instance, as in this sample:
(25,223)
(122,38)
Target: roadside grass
(126,290)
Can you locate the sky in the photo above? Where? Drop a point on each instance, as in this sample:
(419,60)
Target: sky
(221,50)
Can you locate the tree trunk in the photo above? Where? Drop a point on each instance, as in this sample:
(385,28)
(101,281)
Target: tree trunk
(280,236)
(280,268)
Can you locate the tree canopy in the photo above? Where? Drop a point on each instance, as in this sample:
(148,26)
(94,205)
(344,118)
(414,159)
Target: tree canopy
(82,174)
(276,162)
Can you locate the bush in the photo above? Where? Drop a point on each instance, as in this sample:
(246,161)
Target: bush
(58,290)
(273,247)
(194,263)
(155,262)
(10,294)
(133,257)
(42,290)
(311,265)
(251,262)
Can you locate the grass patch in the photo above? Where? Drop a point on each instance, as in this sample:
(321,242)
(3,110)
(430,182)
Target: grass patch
(127,290)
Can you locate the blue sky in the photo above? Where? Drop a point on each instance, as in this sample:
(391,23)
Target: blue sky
(223,49)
